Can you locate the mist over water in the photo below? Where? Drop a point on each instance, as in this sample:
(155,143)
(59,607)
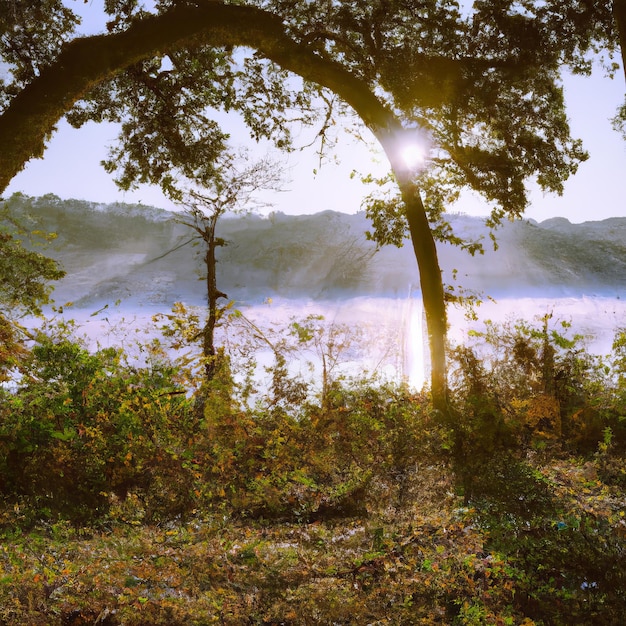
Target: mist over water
(596,318)
(279,268)
(392,344)
(384,335)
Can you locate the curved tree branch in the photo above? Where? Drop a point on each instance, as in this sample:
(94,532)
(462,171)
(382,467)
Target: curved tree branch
(83,63)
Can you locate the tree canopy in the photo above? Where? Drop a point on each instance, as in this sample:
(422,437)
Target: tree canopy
(480,84)
(24,271)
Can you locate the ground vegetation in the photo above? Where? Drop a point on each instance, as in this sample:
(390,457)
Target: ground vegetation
(349,503)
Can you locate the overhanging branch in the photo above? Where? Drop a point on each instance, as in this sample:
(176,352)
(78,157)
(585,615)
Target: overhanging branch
(83,63)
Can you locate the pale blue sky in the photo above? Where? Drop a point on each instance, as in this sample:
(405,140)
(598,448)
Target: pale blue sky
(70,167)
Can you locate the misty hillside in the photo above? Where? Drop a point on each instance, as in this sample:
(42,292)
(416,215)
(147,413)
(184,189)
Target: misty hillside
(133,252)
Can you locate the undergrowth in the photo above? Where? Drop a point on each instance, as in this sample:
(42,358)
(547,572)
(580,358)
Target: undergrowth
(353,504)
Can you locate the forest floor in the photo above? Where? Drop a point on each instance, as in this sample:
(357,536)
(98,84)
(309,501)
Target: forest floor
(423,558)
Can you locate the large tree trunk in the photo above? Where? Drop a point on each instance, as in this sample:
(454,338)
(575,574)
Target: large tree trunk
(83,63)
(425,250)
(432,294)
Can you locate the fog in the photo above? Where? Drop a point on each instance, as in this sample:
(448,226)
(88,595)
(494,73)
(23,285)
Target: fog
(138,261)
(393,342)
(383,336)
(597,318)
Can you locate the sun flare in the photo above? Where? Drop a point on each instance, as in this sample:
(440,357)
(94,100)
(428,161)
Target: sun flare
(415,368)
(413,156)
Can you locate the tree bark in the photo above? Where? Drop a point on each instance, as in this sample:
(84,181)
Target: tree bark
(431,282)
(213,295)
(83,63)
(619,14)
(208,342)
(432,294)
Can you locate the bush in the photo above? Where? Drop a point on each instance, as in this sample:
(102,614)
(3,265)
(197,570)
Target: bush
(519,385)
(82,426)
(320,462)
(566,563)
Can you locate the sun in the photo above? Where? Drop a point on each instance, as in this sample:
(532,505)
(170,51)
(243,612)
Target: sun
(414,156)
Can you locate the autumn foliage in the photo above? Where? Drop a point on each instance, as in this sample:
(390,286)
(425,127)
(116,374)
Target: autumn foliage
(122,505)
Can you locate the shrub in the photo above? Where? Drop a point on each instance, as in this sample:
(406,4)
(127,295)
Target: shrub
(81,426)
(566,563)
(519,384)
(324,460)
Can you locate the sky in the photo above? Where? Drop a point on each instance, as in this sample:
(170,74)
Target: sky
(71,166)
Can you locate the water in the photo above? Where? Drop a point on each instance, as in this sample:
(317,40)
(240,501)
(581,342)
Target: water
(379,337)
(389,335)
(596,318)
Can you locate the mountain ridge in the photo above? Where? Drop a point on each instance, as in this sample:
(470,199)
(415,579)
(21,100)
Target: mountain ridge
(136,253)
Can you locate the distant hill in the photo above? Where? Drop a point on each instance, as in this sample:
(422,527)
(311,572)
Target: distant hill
(137,253)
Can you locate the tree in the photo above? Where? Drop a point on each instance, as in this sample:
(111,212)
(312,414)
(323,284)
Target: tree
(25,276)
(231,189)
(482,85)
(619,12)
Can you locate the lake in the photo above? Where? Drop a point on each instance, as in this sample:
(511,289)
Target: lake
(391,341)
